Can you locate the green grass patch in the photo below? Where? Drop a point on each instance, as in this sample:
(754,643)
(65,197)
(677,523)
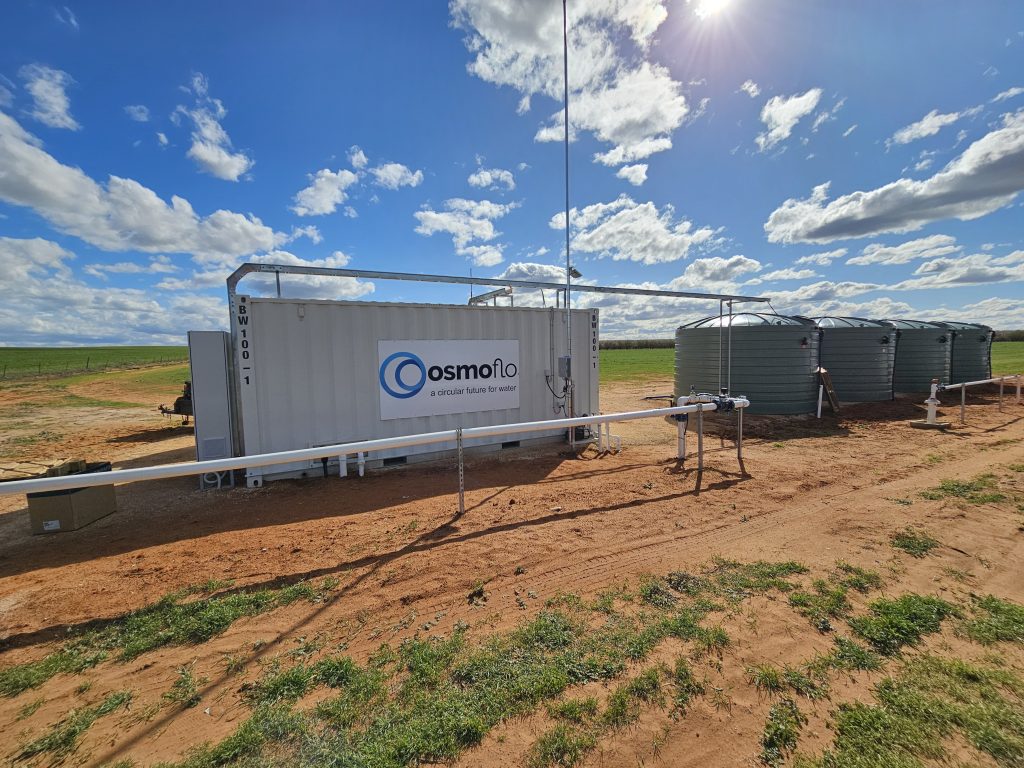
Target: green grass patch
(781,731)
(827,599)
(562,746)
(1007,357)
(994,620)
(980,490)
(62,739)
(893,624)
(172,620)
(636,364)
(917,711)
(913,542)
(684,682)
(33,361)
(577,711)
(847,656)
(428,699)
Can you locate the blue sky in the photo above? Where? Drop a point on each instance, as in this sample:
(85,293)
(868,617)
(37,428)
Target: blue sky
(844,158)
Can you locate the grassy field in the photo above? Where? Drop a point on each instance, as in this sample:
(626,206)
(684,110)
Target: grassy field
(1007,357)
(16,362)
(641,364)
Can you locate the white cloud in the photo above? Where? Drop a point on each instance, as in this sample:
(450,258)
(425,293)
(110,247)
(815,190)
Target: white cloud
(120,214)
(211,146)
(395,175)
(157,265)
(849,130)
(823,259)
(471,225)
(137,112)
(51,305)
(525,270)
(357,157)
(66,16)
(1009,93)
(784,274)
(714,273)
(827,115)
(928,125)
(491,178)
(325,192)
(51,105)
(986,177)
(781,114)
(975,269)
(634,174)
(751,88)
(161,138)
(922,248)
(626,230)
(6,97)
(622,99)
(310,231)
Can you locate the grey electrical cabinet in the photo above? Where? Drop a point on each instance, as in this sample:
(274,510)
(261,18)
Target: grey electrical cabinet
(209,355)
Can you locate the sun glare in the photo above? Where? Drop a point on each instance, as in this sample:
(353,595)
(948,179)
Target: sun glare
(706,9)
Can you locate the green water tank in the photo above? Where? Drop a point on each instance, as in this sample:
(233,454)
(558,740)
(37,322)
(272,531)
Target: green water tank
(859,355)
(922,354)
(972,352)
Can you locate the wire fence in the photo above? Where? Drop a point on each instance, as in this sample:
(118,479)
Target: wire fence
(23,363)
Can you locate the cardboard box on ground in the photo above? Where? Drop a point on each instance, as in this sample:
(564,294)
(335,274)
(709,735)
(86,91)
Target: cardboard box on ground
(58,511)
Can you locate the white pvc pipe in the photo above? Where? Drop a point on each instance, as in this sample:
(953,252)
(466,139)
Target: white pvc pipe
(362,447)
(821,391)
(996,380)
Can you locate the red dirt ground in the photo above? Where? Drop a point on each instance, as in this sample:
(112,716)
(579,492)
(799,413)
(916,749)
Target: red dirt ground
(813,491)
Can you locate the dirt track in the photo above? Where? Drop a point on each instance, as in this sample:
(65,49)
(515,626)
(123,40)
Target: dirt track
(812,491)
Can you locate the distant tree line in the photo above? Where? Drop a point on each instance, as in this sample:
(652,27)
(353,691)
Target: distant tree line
(1009,335)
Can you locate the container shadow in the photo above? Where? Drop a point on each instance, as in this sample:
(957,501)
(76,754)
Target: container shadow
(162,512)
(448,533)
(156,434)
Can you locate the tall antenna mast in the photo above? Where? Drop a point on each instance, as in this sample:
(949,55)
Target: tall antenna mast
(568,266)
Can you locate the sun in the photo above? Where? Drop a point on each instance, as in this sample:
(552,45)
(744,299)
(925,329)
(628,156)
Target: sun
(707,9)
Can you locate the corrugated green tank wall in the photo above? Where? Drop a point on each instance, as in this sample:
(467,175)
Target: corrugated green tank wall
(859,356)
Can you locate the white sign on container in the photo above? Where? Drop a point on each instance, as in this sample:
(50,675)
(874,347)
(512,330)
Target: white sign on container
(431,378)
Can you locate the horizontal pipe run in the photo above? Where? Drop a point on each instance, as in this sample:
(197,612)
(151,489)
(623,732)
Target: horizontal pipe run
(996,380)
(366,274)
(187,469)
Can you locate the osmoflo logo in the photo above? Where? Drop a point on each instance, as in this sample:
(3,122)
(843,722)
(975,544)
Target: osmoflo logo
(398,363)
(397,383)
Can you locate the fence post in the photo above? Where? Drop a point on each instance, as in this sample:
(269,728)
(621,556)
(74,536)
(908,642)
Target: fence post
(87,362)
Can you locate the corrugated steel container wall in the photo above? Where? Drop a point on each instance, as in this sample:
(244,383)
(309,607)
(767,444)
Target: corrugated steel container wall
(859,360)
(315,371)
(774,365)
(922,354)
(972,352)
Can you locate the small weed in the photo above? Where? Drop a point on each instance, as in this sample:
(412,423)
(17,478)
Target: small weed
(994,620)
(781,731)
(687,583)
(961,577)
(477,595)
(847,656)
(827,601)
(902,502)
(856,578)
(574,710)
(562,746)
(31,708)
(623,705)
(976,491)
(766,678)
(778,445)
(687,686)
(933,458)
(913,542)
(63,738)
(803,684)
(185,689)
(83,688)
(656,592)
(565,600)
(520,570)
(892,624)
(1015,467)
(710,640)
(233,664)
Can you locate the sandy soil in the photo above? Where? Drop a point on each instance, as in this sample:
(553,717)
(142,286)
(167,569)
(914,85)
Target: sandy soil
(814,491)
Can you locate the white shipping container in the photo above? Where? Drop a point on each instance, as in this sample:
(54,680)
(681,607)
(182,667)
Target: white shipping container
(313,373)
